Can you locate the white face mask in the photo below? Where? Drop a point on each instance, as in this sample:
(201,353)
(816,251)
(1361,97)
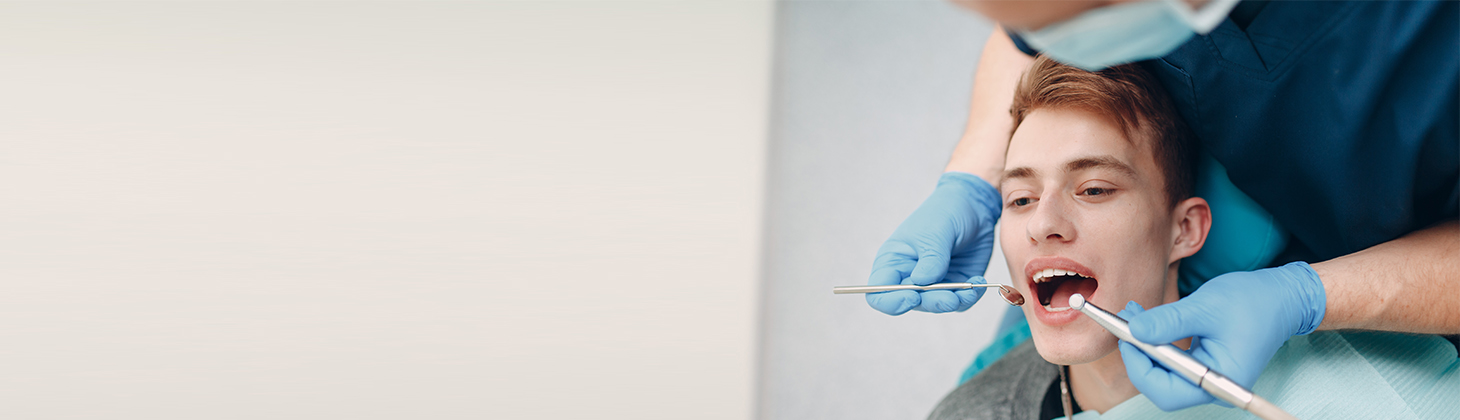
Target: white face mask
(1125,33)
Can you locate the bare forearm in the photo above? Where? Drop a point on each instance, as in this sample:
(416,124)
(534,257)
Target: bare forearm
(986,139)
(1408,284)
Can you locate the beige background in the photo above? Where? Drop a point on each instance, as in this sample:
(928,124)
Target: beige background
(380,210)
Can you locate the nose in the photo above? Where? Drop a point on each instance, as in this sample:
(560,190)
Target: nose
(1050,222)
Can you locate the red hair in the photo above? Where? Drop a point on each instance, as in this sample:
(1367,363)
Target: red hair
(1127,95)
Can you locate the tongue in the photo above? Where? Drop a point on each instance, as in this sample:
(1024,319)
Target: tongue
(1067,288)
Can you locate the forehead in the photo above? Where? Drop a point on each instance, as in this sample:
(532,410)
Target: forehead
(1051,137)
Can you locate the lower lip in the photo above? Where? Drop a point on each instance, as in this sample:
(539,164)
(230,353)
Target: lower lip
(1055,319)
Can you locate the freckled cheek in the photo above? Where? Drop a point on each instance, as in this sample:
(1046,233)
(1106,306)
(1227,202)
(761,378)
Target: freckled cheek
(1099,227)
(1120,224)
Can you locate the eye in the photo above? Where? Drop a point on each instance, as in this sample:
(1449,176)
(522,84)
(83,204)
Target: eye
(1095,191)
(1021,202)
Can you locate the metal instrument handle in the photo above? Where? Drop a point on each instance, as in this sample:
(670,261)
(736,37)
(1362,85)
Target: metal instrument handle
(841,290)
(1007,293)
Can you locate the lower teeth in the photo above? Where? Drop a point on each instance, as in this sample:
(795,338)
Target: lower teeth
(1059,309)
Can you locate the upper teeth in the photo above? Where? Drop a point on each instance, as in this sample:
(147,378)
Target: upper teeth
(1045,274)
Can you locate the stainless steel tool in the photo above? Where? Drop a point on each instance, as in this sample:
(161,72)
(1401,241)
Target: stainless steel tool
(1007,293)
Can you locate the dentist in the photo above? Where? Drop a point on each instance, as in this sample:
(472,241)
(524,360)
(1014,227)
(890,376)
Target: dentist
(1340,119)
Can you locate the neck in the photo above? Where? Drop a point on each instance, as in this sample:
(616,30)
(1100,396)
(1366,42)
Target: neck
(1102,384)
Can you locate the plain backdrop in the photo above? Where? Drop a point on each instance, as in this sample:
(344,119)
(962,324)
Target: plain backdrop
(869,99)
(380,210)
(496,209)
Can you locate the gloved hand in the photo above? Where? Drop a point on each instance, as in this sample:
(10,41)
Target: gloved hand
(1240,320)
(947,239)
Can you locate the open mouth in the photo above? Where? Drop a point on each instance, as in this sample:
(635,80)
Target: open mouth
(1053,288)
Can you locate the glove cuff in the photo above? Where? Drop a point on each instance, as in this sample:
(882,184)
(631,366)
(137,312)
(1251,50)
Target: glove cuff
(1311,296)
(977,190)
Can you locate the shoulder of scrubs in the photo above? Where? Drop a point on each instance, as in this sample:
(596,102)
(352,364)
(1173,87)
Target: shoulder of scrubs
(1349,375)
(1341,119)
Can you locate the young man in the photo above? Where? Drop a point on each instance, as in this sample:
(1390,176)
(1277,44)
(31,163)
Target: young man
(1097,200)
(1336,119)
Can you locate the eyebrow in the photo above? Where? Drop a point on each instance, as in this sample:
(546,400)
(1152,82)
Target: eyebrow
(1100,162)
(1021,172)
(1092,162)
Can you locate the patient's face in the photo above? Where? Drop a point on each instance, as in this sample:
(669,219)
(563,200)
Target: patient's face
(1079,198)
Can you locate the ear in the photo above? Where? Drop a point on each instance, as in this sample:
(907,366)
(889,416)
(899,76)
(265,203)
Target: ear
(1190,222)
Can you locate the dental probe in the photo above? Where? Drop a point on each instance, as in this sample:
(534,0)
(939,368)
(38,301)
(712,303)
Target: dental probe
(1185,365)
(1008,293)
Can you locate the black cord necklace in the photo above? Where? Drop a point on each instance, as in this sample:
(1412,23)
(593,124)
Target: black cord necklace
(1065,397)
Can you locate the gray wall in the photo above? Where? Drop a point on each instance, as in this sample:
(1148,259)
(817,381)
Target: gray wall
(868,101)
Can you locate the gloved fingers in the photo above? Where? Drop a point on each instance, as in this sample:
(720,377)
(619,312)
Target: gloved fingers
(886,275)
(968,265)
(1131,309)
(1222,359)
(895,302)
(1215,355)
(1135,361)
(1201,354)
(891,303)
(968,297)
(1173,321)
(1168,391)
(932,266)
(938,301)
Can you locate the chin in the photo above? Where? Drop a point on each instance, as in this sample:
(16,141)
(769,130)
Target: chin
(1073,346)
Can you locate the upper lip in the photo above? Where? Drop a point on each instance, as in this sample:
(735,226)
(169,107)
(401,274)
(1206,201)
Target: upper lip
(1036,265)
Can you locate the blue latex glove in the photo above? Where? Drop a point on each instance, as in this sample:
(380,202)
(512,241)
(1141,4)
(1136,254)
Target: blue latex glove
(947,239)
(1240,320)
